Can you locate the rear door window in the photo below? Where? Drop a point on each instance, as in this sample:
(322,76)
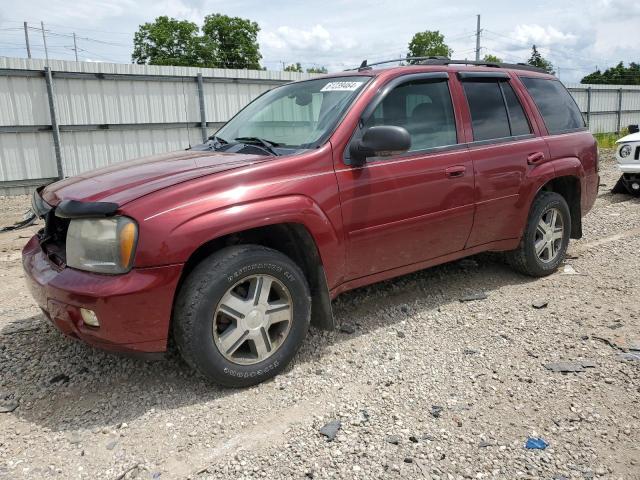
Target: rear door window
(488,112)
(556,105)
(517,118)
(495,110)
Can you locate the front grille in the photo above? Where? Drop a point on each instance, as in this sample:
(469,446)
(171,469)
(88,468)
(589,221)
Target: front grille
(637,155)
(53,238)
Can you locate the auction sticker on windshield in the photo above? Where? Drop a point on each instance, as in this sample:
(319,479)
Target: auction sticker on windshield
(340,86)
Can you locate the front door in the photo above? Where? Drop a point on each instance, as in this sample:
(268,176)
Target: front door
(414,206)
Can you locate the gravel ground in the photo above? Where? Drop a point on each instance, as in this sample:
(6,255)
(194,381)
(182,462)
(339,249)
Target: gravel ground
(425,386)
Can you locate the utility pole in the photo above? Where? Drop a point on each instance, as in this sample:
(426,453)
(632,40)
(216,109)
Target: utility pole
(75,46)
(44,40)
(26,39)
(478,40)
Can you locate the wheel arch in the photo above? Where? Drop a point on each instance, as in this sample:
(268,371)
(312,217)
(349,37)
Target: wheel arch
(570,188)
(293,240)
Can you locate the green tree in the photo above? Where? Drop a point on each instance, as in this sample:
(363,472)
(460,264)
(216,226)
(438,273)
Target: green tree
(429,43)
(167,41)
(491,58)
(618,75)
(295,67)
(234,41)
(537,60)
(317,70)
(226,42)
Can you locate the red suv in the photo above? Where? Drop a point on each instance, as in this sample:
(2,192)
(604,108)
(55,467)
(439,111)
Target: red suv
(235,247)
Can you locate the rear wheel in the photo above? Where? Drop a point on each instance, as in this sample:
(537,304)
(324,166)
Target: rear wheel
(242,314)
(544,244)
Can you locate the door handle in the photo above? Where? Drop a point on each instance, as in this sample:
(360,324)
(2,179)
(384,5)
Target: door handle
(455,171)
(535,158)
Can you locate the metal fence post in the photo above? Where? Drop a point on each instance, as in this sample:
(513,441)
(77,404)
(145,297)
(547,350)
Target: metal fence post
(54,122)
(619,110)
(588,106)
(203,113)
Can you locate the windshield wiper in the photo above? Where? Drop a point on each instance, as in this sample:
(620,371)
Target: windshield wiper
(266,144)
(220,140)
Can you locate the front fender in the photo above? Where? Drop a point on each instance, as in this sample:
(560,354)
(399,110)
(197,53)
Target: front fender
(173,236)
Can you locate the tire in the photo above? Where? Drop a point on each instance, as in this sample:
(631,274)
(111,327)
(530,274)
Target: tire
(620,186)
(525,259)
(227,344)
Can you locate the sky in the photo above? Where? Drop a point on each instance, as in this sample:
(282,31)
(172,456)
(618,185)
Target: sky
(576,36)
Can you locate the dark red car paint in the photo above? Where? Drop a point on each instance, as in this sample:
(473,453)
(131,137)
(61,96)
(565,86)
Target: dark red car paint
(369,223)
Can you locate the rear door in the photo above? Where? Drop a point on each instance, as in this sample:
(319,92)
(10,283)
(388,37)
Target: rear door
(415,206)
(567,137)
(504,145)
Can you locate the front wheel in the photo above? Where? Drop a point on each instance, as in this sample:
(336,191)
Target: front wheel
(544,244)
(242,314)
(628,183)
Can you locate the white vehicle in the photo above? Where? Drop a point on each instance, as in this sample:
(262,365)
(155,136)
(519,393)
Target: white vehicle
(628,157)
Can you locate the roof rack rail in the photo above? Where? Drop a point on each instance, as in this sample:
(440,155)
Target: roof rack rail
(447,61)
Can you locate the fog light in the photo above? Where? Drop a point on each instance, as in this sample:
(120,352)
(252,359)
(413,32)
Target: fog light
(635,186)
(89,317)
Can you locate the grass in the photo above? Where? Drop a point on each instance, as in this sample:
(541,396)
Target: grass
(608,140)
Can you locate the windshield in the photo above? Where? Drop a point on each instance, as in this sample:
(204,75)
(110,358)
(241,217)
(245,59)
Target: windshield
(297,115)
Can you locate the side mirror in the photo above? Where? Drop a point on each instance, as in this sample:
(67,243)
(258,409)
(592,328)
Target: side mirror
(634,128)
(379,141)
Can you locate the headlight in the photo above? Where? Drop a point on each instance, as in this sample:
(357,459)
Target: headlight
(625,151)
(104,245)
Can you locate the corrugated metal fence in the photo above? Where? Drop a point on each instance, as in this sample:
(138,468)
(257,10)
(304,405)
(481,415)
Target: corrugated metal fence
(608,108)
(109,113)
(73,117)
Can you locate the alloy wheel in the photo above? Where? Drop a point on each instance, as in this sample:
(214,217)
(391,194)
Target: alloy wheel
(252,319)
(549,235)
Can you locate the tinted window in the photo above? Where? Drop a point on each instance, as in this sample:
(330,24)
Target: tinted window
(517,118)
(556,105)
(488,113)
(424,109)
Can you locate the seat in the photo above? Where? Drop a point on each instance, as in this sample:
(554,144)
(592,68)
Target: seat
(428,126)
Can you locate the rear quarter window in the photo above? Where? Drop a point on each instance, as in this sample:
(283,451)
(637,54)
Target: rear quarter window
(556,105)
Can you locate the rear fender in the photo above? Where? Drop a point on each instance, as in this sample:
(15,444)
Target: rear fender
(536,178)
(569,167)
(573,167)
(543,174)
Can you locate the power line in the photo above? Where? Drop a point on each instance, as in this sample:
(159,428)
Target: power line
(89,39)
(478,40)
(112,32)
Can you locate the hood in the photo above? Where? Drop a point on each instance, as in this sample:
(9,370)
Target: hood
(633,137)
(124,182)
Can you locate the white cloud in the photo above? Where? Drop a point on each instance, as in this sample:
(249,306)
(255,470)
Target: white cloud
(542,36)
(576,35)
(618,8)
(316,39)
